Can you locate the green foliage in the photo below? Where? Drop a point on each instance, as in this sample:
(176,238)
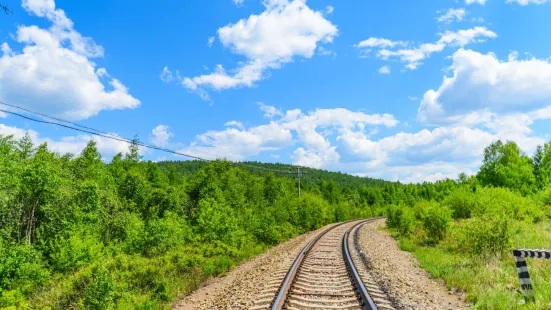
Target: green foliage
(542,165)
(21,271)
(100,293)
(79,233)
(488,236)
(462,202)
(401,218)
(436,222)
(505,165)
(76,232)
(74,250)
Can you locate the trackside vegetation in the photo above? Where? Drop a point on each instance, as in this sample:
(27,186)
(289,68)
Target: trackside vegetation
(466,237)
(77,232)
(85,232)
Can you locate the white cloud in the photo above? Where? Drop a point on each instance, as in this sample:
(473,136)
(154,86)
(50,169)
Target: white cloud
(384,70)
(481,2)
(340,139)
(414,56)
(412,98)
(425,172)
(527,2)
(309,158)
(482,85)
(52,73)
(236,144)
(312,132)
(285,30)
(211,41)
(6,50)
(329,10)
(161,135)
(379,42)
(269,111)
(238,2)
(451,15)
(235,123)
(166,75)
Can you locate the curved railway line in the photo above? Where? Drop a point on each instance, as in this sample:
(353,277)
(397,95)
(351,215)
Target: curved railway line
(329,273)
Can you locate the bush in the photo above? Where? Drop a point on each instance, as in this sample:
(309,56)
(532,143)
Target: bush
(504,202)
(462,202)
(165,233)
(436,222)
(402,219)
(21,271)
(487,236)
(99,295)
(77,249)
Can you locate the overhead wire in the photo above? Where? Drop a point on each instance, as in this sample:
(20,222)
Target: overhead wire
(104,134)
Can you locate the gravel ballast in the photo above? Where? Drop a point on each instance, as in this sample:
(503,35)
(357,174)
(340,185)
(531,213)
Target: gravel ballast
(245,284)
(399,276)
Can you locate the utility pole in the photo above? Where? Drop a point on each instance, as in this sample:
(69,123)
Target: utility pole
(298,175)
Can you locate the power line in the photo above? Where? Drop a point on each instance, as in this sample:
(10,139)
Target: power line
(122,139)
(54,118)
(107,135)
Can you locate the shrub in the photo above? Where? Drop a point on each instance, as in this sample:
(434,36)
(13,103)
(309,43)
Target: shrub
(462,202)
(21,271)
(504,202)
(99,295)
(165,233)
(436,222)
(72,251)
(402,219)
(487,236)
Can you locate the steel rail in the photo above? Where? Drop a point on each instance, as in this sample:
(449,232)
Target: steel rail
(279,301)
(365,300)
(283,293)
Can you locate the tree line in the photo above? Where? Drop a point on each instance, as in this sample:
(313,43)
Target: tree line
(80,231)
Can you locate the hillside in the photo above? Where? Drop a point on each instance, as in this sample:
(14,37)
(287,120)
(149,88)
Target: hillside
(309,176)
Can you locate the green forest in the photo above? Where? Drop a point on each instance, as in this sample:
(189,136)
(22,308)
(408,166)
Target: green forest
(85,232)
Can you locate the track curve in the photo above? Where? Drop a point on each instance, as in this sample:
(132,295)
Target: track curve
(324,275)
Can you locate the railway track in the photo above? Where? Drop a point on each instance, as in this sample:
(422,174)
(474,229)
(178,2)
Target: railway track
(329,273)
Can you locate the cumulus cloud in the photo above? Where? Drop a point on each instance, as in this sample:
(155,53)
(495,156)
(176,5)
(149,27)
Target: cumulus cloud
(285,30)
(482,85)
(414,55)
(310,130)
(53,71)
(451,15)
(161,135)
(329,9)
(238,144)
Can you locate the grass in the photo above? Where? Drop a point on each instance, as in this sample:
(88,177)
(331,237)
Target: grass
(493,284)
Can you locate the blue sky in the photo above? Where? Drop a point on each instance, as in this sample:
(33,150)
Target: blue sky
(400,90)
